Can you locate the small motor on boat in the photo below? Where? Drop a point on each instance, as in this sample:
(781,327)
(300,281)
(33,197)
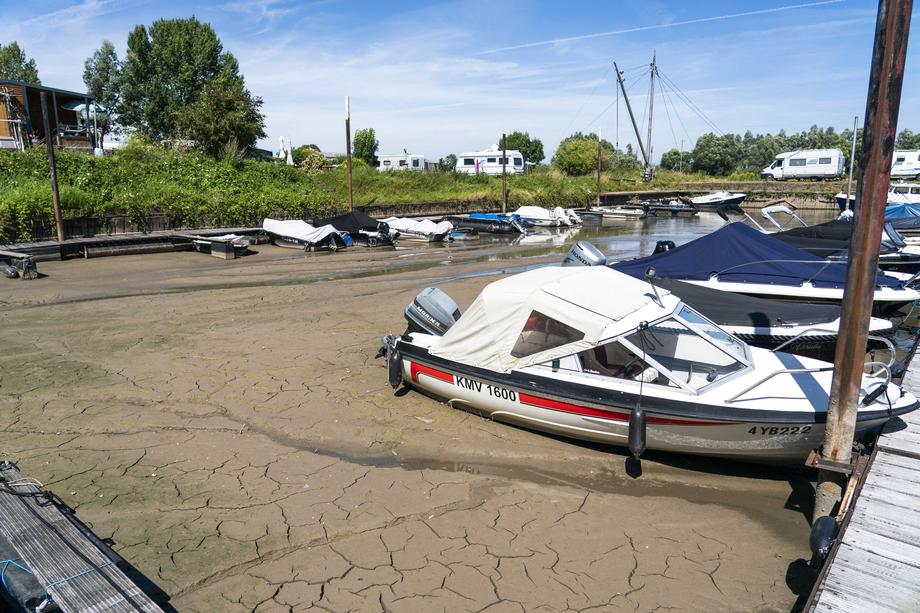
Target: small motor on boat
(662,246)
(584,253)
(432,312)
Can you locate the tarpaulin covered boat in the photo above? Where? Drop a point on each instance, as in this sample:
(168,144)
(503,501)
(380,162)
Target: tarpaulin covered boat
(423,230)
(301,235)
(361,227)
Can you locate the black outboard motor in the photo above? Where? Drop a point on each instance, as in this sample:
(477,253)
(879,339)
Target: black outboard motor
(432,312)
(584,253)
(662,246)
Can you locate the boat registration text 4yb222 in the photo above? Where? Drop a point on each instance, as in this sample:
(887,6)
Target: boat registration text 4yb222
(498,392)
(779,430)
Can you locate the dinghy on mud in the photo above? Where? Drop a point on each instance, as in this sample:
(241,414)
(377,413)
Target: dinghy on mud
(423,230)
(361,228)
(298,234)
(596,355)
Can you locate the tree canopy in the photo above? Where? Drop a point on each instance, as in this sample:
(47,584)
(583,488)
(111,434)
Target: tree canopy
(577,155)
(673,159)
(102,77)
(225,113)
(448,163)
(15,66)
(365,145)
(167,67)
(530,148)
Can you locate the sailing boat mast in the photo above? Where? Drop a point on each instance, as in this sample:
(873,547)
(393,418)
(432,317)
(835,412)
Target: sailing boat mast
(632,117)
(646,148)
(647,172)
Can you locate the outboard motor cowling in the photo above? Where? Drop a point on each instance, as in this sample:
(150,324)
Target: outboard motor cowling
(662,246)
(584,253)
(432,312)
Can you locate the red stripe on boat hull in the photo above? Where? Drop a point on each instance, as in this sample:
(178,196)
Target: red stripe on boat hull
(415,369)
(566,407)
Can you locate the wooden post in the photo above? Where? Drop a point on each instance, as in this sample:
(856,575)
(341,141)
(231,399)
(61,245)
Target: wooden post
(879,131)
(351,202)
(52,170)
(504,177)
(597,195)
(852,164)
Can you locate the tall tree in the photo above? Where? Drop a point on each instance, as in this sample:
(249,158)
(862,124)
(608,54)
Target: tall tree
(166,68)
(102,77)
(530,148)
(15,66)
(908,139)
(672,159)
(577,155)
(448,163)
(225,114)
(365,145)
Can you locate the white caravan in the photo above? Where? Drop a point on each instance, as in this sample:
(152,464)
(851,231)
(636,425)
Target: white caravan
(490,162)
(906,164)
(405,161)
(806,164)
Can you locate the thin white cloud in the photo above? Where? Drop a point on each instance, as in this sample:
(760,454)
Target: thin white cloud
(568,39)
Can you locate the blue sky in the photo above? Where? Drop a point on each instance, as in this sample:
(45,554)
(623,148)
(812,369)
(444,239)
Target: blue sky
(444,77)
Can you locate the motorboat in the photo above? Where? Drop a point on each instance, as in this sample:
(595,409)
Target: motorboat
(539,216)
(464,234)
(299,234)
(898,193)
(795,327)
(423,230)
(673,208)
(593,354)
(739,259)
(362,229)
(779,216)
(713,200)
(831,240)
(617,212)
(905,218)
(493,223)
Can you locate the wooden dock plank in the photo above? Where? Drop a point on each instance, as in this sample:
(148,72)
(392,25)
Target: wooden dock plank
(76,573)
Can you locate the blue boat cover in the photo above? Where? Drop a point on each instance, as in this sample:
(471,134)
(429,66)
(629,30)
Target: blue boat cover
(901,211)
(495,216)
(737,253)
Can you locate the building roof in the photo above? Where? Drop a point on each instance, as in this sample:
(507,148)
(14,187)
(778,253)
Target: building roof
(46,88)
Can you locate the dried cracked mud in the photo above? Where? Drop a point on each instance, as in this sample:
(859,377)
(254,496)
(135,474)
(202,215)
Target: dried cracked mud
(227,426)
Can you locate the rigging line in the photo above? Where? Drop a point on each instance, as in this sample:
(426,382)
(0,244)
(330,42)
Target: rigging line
(693,107)
(667,114)
(585,101)
(599,115)
(669,101)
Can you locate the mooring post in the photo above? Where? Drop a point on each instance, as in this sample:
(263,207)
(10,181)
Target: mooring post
(351,204)
(52,169)
(597,195)
(504,177)
(879,131)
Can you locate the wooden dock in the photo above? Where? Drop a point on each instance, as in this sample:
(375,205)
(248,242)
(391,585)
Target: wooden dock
(75,573)
(875,565)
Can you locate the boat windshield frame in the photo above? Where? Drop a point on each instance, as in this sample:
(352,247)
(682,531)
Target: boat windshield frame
(745,360)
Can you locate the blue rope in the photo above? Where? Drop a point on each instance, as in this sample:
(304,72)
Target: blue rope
(6,565)
(72,577)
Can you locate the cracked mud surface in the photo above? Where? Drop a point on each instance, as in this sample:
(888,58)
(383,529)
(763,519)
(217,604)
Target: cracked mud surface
(242,449)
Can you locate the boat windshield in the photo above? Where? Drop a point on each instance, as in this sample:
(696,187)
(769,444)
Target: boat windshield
(695,359)
(722,338)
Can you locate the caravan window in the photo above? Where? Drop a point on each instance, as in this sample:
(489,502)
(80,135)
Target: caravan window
(798,162)
(824,161)
(468,161)
(899,160)
(386,162)
(776,164)
(902,190)
(490,160)
(812,161)
(915,190)
(542,332)
(518,162)
(414,163)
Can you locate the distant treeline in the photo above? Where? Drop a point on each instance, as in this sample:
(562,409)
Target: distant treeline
(721,155)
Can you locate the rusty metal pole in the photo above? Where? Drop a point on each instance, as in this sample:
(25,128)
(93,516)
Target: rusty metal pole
(879,131)
(351,202)
(504,177)
(52,169)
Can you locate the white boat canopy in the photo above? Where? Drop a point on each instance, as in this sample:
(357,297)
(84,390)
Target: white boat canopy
(425,226)
(295,228)
(538,212)
(549,313)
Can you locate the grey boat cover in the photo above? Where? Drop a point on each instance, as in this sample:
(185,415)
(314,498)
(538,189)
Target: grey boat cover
(730,309)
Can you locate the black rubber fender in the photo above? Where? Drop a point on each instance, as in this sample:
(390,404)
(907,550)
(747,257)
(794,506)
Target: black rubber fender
(394,368)
(637,423)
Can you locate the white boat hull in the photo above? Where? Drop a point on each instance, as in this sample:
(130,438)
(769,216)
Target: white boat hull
(755,439)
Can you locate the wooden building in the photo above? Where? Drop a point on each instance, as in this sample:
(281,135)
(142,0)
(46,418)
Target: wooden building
(22,124)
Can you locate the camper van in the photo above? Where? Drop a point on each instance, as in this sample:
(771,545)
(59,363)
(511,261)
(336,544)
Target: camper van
(806,164)
(490,162)
(404,161)
(906,164)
